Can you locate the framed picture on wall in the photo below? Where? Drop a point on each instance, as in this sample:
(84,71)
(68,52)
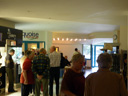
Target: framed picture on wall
(57,49)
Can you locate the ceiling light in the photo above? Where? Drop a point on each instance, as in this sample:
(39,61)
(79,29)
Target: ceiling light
(67,39)
(62,39)
(58,38)
(71,39)
(76,39)
(84,39)
(79,39)
(54,39)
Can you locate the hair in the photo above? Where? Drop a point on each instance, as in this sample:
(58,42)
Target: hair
(29,53)
(12,50)
(25,52)
(104,60)
(54,48)
(76,49)
(42,50)
(22,53)
(77,57)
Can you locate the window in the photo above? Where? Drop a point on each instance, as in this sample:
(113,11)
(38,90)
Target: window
(87,51)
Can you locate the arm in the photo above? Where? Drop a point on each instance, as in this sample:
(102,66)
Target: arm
(25,77)
(34,66)
(47,67)
(26,67)
(51,59)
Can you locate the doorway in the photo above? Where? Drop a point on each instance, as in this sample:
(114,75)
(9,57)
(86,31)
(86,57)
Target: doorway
(97,52)
(32,45)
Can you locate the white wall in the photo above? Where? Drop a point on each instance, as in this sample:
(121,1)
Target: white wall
(68,49)
(48,40)
(123,37)
(42,36)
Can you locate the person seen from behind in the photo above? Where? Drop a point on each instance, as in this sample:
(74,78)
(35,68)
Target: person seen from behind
(55,59)
(41,67)
(104,82)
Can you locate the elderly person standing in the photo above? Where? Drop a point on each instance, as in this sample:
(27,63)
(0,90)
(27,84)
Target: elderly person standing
(41,66)
(55,58)
(74,80)
(104,82)
(27,76)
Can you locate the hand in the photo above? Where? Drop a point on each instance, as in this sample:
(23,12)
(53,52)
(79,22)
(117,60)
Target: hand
(25,82)
(39,77)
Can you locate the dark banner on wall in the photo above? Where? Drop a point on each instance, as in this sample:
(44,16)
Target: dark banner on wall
(12,34)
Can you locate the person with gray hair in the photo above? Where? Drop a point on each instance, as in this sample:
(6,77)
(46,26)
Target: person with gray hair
(104,82)
(41,66)
(74,80)
(27,76)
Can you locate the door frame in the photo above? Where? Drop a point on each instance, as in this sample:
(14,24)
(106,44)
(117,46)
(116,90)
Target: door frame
(95,54)
(38,43)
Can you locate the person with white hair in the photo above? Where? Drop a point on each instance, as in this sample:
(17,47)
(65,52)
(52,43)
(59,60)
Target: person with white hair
(74,80)
(104,82)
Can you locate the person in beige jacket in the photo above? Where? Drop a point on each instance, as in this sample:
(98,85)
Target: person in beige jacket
(105,82)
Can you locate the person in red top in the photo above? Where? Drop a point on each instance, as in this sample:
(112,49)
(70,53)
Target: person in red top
(74,80)
(27,76)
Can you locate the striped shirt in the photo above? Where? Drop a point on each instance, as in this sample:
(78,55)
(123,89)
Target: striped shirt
(41,65)
(55,58)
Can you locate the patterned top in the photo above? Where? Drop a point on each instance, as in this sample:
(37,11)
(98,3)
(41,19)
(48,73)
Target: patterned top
(55,59)
(9,61)
(41,65)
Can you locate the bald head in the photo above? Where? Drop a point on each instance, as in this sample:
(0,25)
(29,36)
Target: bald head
(52,49)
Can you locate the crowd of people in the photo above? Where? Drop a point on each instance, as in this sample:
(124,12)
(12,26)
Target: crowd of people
(42,70)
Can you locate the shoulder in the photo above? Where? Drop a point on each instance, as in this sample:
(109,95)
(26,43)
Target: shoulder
(27,60)
(69,73)
(46,57)
(90,76)
(8,56)
(117,76)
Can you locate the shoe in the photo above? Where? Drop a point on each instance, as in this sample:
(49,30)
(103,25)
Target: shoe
(12,91)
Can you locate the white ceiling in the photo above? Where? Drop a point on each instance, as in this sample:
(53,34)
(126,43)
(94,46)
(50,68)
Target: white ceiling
(77,16)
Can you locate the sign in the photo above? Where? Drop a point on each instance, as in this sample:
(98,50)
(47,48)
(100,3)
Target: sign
(0,36)
(30,35)
(11,34)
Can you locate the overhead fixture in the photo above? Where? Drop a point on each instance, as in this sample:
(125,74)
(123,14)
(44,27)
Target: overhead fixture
(76,39)
(58,38)
(71,39)
(67,39)
(62,39)
(84,39)
(54,39)
(79,39)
